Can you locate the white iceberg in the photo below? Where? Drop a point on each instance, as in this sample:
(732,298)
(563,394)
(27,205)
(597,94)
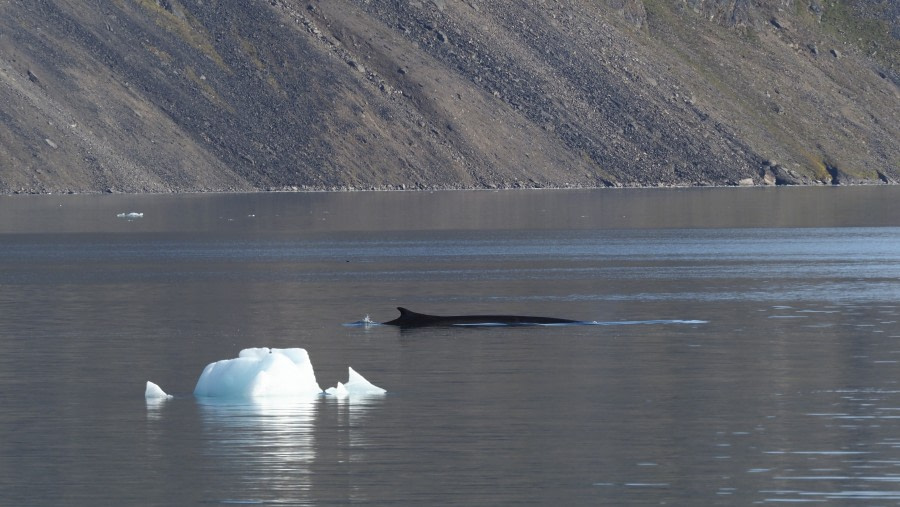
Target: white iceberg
(132,214)
(154,392)
(260,372)
(267,374)
(356,386)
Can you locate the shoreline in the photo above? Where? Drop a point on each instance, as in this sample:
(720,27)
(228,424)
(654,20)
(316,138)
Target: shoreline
(439,188)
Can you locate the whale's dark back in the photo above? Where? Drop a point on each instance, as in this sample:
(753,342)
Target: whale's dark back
(409,318)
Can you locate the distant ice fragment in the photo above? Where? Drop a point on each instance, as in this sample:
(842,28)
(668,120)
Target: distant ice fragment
(132,214)
(154,392)
(356,386)
(260,372)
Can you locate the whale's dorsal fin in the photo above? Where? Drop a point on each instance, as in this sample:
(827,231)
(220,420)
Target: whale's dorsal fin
(407,317)
(408,314)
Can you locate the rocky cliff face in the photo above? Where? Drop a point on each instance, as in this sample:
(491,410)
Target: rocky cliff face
(230,95)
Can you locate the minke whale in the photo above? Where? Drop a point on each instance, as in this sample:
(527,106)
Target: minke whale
(409,318)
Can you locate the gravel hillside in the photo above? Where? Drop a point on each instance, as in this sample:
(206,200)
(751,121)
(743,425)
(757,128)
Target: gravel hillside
(242,95)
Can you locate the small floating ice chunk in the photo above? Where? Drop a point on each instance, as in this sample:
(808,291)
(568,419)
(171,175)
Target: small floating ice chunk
(132,214)
(154,392)
(356,387)
(339,391)
(260,372)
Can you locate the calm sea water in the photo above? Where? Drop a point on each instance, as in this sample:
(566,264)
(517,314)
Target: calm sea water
(787,391)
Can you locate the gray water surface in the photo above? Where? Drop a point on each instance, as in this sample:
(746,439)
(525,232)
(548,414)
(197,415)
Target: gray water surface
(749,351)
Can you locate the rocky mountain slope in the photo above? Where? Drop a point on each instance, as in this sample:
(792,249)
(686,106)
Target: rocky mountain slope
(235,95)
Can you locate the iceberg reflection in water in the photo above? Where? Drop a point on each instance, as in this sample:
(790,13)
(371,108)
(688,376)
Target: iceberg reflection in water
(282,450)
(266,446)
